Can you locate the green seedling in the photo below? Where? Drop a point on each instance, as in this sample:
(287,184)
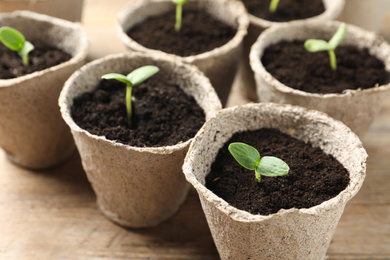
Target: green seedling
(315,45)
(249,158)
(132,79)
(273,6)
(179,10)
(15,41)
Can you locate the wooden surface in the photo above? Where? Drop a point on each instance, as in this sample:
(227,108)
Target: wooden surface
(52,214)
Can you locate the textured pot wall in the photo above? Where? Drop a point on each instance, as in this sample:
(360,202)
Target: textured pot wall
(219,65)
(279,237)
(32,132)
(356,108)
(135,187)
(288,234)
(245,75)
(65,9)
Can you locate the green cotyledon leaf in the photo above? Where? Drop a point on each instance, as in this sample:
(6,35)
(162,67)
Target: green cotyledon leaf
(245,155)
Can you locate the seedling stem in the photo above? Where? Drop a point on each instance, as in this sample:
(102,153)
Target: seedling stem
(316,45)
(273,6)
(132,79)
(15,41)
(179,12)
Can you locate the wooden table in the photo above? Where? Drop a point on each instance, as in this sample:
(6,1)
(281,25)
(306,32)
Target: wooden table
(52,214)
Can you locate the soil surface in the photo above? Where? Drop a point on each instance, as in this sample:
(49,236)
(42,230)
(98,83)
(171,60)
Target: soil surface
(287,9)
(42,57)
(314,177)
(291,64)
(196,35)
(162,114)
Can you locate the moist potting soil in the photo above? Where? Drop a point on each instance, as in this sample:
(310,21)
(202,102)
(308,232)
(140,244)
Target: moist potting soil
(162,113)
(42,57)
(291,64)
(314,176)
(199,33)
(287,10)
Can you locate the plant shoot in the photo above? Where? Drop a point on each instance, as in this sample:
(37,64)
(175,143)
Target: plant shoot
(249,158)
(132,79)
(273,6)
(179,10)
(315,45)
(15,41)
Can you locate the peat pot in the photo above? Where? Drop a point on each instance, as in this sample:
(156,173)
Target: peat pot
(32,132)
(220,64)
(290,233)
(356,108)
(246,80)
(135,186)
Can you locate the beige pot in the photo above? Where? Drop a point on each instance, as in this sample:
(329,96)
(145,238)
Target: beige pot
(135,187)
(219,65)
(65,9)
(288,234)
(32,132)
(356,108)
(366,14)
(245,76)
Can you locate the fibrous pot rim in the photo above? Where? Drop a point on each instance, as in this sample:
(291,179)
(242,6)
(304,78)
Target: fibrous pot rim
(191,165)
(274,35)
(333,9)
(82,50)
(65,102)
(242,26)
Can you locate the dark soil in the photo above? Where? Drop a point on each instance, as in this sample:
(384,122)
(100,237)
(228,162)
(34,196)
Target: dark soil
(314,177)
(291,64)
(42,57)
(199,33)
(287,9)
(162,114)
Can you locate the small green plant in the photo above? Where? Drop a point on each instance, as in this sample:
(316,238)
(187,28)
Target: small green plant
(132,79)
(315,45)
(179,10)
(15,41)
(273,6)
(249,158)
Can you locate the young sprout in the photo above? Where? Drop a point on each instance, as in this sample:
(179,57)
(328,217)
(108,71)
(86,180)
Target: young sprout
(315,45)
(179,11)
(132,79)
(15,41)
(249,158)
(273,5)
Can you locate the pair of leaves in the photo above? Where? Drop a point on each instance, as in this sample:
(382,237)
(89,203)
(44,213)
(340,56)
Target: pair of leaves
(15,41)
(315,45)
(249,158)
(135,77)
